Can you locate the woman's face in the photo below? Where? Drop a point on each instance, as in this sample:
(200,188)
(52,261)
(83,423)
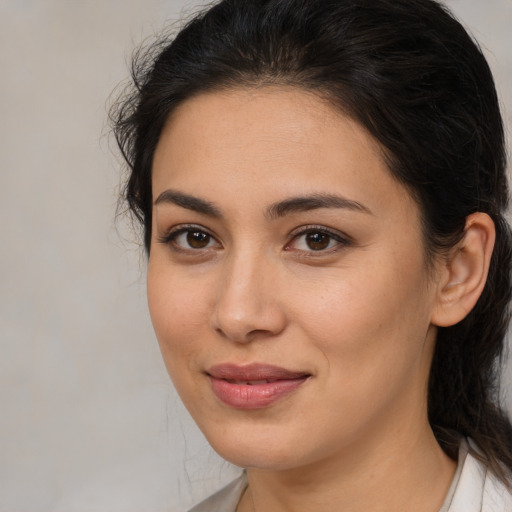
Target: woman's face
(287,282)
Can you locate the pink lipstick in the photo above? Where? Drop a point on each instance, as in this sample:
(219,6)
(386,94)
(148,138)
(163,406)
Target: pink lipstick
(253,386)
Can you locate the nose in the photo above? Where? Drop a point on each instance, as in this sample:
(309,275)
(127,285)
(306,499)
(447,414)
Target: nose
(247,305)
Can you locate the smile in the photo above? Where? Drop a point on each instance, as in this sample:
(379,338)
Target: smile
(254,386)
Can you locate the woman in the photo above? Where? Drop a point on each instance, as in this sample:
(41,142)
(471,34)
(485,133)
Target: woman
(321,185)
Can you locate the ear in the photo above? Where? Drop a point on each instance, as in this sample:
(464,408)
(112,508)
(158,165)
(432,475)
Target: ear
(463,272)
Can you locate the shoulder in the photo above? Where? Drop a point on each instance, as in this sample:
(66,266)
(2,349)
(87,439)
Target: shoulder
(225,500)
(496,497)
(479,490)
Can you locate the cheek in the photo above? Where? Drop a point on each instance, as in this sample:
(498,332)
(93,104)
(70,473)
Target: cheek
(371,331)
(376,315)
(179,314)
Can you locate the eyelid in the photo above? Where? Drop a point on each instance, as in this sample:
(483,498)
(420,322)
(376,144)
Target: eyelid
(340,237)
(173,232)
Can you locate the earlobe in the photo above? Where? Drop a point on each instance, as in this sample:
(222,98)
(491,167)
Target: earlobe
(464,271)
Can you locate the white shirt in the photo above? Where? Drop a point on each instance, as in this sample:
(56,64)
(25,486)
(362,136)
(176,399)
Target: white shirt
(473,489)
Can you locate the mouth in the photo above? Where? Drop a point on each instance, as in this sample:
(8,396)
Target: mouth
(254,386)
(251,382)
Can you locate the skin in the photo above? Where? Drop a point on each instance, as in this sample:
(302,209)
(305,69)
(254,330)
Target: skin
(359,316)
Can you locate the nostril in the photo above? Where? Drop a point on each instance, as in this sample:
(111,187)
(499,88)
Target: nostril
(246,307)
(244,326)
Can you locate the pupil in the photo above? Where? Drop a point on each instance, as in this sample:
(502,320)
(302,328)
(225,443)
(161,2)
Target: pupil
(317,241)
(197,239)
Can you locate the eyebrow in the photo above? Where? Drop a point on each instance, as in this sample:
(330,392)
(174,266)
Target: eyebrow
(274,211)
(189,202)
(313,202)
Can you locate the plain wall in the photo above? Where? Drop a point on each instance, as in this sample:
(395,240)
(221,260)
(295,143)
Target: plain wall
(88,418)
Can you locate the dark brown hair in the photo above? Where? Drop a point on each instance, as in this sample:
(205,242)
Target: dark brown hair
(409,73)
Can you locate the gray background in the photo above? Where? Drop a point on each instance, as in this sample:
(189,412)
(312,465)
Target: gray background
(88,418)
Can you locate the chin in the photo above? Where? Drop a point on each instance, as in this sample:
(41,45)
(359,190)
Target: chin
(263,448)
(257,457)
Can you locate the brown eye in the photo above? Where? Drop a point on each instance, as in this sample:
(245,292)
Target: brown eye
(317,241)
(191,239)
(198,239)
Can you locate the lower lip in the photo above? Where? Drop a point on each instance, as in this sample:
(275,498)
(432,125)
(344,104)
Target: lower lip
(258,396)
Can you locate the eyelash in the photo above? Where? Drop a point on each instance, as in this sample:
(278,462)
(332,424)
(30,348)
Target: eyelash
(340,239)
(170,237)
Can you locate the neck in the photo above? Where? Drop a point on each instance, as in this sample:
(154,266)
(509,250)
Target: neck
(406,472)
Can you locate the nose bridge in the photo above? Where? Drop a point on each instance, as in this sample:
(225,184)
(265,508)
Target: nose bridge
(246,305)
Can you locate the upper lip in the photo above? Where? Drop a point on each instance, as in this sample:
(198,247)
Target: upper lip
(253,372)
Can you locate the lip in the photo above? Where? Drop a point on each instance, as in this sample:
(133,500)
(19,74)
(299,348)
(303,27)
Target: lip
(253,386)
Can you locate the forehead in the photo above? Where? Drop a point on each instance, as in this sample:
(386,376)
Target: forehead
(256,145)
